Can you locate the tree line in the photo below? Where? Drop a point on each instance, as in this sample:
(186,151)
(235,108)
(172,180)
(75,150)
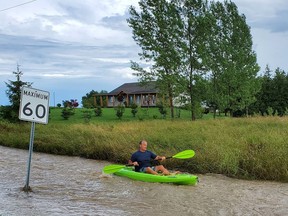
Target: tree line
(271,99)
(198,48)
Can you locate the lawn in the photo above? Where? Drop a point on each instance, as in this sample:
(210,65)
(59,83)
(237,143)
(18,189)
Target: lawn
(109,115)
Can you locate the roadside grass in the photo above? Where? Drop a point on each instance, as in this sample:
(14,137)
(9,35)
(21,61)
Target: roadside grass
(249,148)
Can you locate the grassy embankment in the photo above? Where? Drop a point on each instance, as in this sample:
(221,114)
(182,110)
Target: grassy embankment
(251,148)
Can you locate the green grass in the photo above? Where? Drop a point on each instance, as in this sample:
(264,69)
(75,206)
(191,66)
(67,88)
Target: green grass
(250,148)
(109,115)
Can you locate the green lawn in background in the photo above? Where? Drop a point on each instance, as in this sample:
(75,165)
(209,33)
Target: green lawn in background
(109,115)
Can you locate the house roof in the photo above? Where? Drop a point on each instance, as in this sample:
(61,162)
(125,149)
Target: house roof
(136,88)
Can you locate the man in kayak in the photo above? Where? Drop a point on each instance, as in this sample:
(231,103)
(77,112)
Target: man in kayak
(141,159)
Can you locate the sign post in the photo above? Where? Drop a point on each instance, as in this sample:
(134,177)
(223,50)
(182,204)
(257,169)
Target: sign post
(34,107)
(27,187)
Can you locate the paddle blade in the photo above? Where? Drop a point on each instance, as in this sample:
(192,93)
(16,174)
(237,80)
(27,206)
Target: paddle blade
(184,154)
(112,168)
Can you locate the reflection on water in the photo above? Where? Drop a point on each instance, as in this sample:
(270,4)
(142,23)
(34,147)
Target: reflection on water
(74,186)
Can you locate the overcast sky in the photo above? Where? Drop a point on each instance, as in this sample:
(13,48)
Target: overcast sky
(71,47)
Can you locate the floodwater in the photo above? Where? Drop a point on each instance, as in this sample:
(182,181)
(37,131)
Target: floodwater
(75,186)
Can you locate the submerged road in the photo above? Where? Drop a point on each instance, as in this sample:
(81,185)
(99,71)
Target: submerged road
(75,186)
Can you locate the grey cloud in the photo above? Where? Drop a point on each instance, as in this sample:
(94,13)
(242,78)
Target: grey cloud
(40,57)
(78,11)
(277,22)
(118,22)
(56,51)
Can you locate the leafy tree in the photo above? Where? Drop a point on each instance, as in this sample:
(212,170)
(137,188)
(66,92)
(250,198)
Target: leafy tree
(88,99)
(231,59)
(11,112)
(154,30)
(279,93)
(192,26)
(264,97)
(73,103)
(273,96)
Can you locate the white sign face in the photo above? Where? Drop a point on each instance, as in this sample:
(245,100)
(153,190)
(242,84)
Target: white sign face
(34,105)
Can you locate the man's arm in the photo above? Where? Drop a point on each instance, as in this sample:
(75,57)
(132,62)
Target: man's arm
(133,161)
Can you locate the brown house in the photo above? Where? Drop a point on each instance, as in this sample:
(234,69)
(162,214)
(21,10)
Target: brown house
(128,93)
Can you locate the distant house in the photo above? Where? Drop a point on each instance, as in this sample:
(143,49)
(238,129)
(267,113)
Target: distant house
(128,93)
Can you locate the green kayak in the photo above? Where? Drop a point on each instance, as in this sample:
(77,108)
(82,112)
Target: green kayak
(179,179)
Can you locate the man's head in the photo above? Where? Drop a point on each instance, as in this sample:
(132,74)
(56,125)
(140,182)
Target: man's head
(143,145)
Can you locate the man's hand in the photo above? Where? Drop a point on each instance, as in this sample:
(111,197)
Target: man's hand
(135,163)
(162,158)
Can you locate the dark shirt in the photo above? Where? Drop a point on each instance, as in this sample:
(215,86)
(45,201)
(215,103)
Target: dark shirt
(143,159)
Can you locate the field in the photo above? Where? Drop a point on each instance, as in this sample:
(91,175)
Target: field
(250,148)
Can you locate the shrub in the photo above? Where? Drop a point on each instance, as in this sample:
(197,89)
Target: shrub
(67,113)
(162,109)
(87,115)
(98,111)
(134,109)
(120,111)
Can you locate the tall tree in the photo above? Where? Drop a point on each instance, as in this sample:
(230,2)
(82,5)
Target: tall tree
(232,61)
(155,31)
(14,95)
(279,92)
(192,28)
(264,96)
(273,96)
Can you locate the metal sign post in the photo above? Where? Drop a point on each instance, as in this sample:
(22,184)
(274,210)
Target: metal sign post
(27,187)
(34,107)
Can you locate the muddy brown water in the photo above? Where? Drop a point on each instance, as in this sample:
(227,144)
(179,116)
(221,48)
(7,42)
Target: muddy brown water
(75,186)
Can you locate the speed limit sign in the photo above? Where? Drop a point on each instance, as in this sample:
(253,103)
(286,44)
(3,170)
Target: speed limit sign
(34,105)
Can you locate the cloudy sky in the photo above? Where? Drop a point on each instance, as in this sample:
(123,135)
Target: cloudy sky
(71,47)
